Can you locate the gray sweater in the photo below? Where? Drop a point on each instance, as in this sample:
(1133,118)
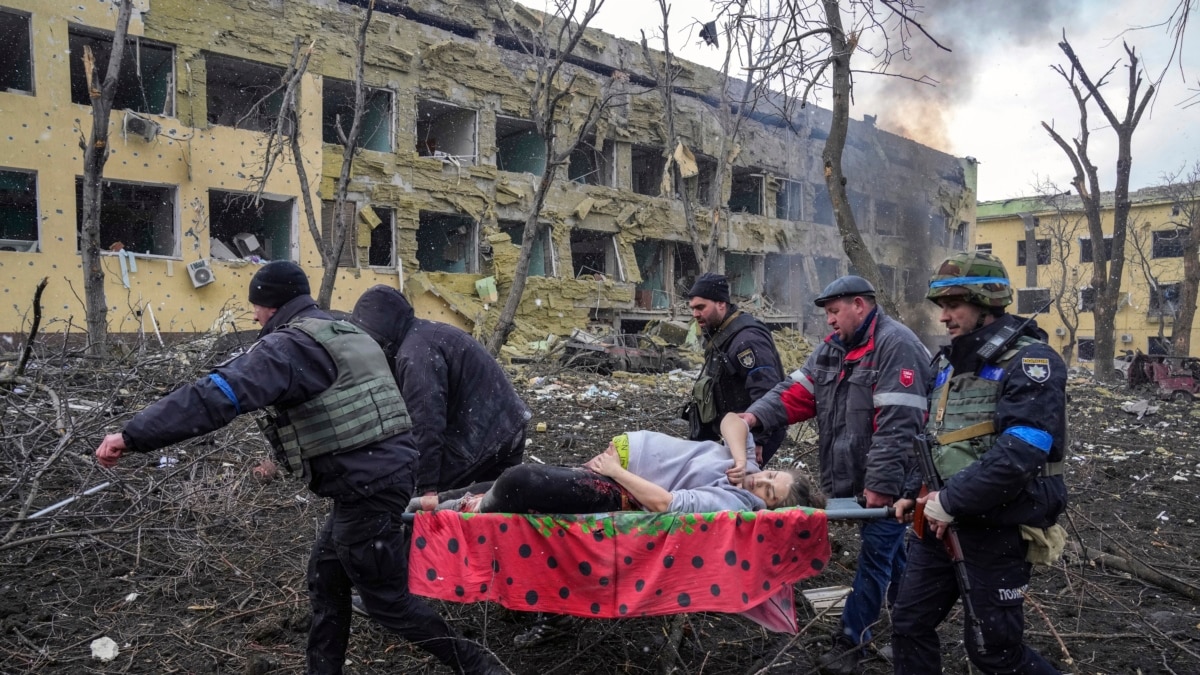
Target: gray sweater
(692,471)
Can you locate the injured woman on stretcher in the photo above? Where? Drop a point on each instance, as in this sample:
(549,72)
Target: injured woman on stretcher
(642,471)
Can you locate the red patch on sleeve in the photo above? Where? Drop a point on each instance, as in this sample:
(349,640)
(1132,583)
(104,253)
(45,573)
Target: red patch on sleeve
(907,377)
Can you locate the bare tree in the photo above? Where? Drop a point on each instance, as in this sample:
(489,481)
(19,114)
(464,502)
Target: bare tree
(551,98)
(1064,227)
(1106,274)
(1140,246)
(95,155)
(1184,191)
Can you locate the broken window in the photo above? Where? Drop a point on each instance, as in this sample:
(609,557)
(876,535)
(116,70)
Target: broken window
(447,242)
(349,254)
(1085,249)
(594,253)
(591,165)
(146,82)
(984,248)
(18,211)
(686,268)
(16,59)
(241,229)
(887,218)
(541,257)
(382,252)
(651,291)
(1086,349)
(1158,345)
(1031,300)
(1043,252)
(243,94)
(519,146)
(1167,244)
(445,130)
(887,279)
(743,271)
(746,191)
(958,238)
(860,205)
(822,206)
(1087,299)
(134,217)
(337,108)
(828,269)
(1164,300)
(779,273)
(646,166)
(789,200)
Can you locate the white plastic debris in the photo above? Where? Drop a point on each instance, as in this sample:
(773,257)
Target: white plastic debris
(104,649)
(131,597)
(1162,515)
(165,462)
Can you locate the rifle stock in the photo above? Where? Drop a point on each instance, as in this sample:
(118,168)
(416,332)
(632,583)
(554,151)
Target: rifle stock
(934,483)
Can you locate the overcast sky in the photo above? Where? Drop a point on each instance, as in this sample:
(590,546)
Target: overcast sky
(997,87)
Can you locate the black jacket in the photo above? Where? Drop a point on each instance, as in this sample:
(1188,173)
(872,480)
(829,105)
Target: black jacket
(1005,487)
(463,407)
(285,366)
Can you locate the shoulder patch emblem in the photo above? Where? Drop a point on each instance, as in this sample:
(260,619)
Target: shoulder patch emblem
(1037,370)
(746,358)
(907,377)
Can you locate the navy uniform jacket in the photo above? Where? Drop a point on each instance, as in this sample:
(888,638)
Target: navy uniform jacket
(285,366)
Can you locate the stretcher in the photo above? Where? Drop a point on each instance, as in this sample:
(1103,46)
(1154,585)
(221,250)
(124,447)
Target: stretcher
(627,564)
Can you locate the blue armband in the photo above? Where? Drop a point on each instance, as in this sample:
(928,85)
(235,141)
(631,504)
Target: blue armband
(227,390)
(1042,440)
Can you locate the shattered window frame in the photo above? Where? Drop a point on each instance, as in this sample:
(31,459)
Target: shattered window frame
(747,191)
(602,243)
(654,261)
(1087,300)
(1030,300)
(447,232)
(376,128)
(520,147)
(983,248)
(1085,349)
(128,216)
(591,166)
(789,200)
(272,213)
(148,93)
(254,112)
(543,250)
(381,253)
(20,223)
(432,117)
(1166,244)
(1043,252)
(744,270)
(1159,345)
(349,254)
(16,59)
(646,164)
(1085,249)
(781,275)
(1164,300)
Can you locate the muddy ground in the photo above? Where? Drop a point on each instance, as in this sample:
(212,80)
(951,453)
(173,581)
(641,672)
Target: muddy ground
(192,566)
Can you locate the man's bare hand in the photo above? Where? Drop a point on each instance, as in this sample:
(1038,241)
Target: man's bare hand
(110,450)
(904,510)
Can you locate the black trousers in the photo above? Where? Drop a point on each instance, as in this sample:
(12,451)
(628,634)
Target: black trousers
(364,544)
(537,488)
(998,574)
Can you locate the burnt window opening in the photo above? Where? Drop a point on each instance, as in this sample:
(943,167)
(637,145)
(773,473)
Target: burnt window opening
(646,170)
(1159,346)
(744,272)
(1164,300)
(699,185)
(1086,255)
(519,146)
(241,229)
(1085,349)
(789,200)
(337,106)
(16,59)
(445,130)
(822,206)
(134,217)
(782,275)
(827,270)
(541,256)
(686,268)
(382,251)
(146,82)
(349,254)
(984,248)
(594,253)
(591,165)
(243,94)
(1030,300)
(1167,244)
(887,217)
(1087,299)
(746,191)
(651,292)
(860,205)
(1043,252)
(447,242)
(18,211)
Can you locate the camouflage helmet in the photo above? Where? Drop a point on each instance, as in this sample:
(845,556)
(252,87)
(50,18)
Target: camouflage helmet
(976,277)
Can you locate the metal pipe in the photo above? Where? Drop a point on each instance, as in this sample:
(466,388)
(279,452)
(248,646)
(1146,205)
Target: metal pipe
(58,505)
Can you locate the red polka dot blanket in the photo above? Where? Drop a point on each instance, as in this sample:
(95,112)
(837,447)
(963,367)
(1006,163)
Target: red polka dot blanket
(623,564)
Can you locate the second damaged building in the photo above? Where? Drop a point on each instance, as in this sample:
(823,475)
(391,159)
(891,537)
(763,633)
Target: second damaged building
(446,178)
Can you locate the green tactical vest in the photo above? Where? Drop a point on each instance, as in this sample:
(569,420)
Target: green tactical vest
(961,411)
(362,406)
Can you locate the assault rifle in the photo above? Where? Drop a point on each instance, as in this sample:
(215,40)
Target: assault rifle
(933,483)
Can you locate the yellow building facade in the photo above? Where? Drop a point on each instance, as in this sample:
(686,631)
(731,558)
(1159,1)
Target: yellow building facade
(1151,282)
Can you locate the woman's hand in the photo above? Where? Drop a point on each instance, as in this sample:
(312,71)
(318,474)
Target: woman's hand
(736,473)
(607,463)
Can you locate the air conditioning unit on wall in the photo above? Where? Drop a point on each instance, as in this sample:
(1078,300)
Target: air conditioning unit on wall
(1060,331)
(200,273)
(1126,337)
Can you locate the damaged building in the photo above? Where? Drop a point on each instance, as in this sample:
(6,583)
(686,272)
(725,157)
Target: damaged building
(445,180)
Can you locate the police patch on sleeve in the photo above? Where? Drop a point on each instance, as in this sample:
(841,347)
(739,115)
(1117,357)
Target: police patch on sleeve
(746,358)
(1037,370)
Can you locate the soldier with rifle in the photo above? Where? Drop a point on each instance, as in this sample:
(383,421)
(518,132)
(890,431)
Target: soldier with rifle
(998,428)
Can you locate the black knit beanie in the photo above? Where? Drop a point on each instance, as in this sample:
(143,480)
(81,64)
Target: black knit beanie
(711,286)
(276,283)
